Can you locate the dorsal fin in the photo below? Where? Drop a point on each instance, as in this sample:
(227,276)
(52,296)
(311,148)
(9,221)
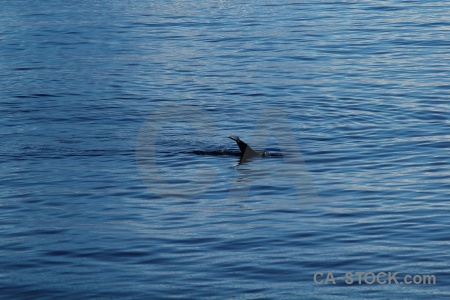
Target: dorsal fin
(245,149)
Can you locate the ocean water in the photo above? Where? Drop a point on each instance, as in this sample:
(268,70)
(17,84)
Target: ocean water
(104,105)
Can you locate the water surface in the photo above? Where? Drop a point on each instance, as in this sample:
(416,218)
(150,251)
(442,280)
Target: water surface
(103,104)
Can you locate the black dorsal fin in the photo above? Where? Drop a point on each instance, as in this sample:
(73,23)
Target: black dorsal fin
(246,150)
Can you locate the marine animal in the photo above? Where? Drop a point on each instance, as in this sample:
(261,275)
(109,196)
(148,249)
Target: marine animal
(246,152)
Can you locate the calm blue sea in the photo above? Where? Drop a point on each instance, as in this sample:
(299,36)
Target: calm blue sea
(105,106)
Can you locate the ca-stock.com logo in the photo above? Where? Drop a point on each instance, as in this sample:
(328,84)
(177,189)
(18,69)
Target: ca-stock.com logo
(271,125)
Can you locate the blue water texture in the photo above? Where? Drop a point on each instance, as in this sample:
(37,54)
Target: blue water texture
(111,111)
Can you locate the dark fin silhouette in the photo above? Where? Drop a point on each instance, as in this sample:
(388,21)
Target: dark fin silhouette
(246,151)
